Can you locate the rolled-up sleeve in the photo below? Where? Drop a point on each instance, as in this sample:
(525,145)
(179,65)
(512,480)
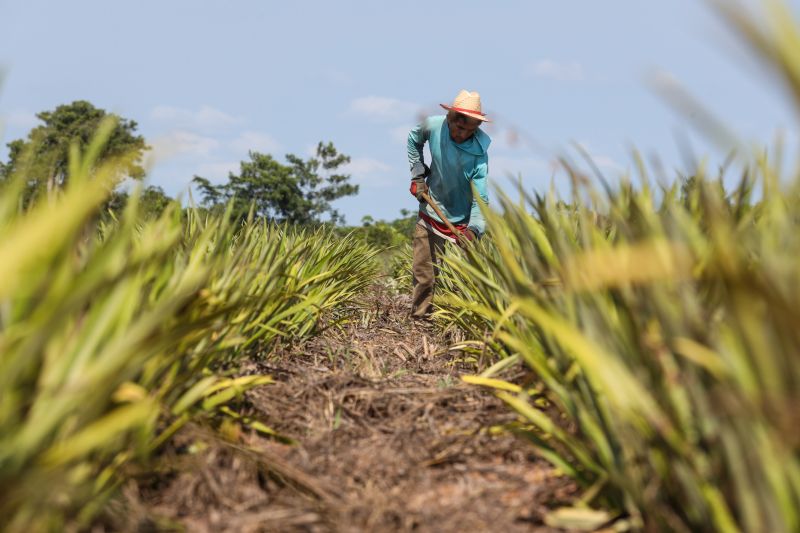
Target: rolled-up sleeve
(416,141)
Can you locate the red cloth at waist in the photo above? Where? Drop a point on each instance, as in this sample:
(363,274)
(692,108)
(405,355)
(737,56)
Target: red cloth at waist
(441,228)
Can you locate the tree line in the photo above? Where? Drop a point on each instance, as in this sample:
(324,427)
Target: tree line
(299,191)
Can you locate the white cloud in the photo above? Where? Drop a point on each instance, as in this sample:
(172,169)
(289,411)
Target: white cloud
(259,142)
(548,68)
(217,172)
(365,165)
(182,142)
(382,109)
(368,172)
(204,118)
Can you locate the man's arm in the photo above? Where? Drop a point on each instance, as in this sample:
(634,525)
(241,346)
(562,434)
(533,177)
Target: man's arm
(480,187)
(416,140)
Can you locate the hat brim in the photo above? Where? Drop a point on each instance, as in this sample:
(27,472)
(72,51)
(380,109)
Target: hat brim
(470,114)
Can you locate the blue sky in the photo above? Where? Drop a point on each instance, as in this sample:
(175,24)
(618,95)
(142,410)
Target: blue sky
(208,81)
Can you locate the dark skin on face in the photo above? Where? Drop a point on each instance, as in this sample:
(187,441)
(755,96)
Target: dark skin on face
(461,126)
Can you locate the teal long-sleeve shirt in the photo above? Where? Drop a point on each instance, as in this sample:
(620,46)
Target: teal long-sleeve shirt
(455,168)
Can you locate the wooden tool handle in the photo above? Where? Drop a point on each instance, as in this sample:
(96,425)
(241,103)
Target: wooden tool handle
(458,235)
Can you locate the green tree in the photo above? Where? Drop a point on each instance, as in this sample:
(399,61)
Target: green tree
(405,224)
(152,201)
(383,234)
(43,157)
(298,193)
(212,196)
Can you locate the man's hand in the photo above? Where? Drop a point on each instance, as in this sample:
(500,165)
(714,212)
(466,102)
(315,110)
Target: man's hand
(419,172)
(468,236)
(418,187)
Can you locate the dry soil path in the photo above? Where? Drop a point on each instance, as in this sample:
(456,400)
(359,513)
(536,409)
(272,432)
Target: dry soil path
(387,439)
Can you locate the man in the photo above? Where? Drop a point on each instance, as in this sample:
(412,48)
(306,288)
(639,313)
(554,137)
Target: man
(458,162)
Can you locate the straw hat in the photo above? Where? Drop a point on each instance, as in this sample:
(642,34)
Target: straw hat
(468,104)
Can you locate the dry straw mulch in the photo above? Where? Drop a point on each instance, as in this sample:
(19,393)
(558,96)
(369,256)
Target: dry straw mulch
(387,439)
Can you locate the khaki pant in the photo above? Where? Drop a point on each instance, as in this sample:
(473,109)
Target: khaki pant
(428,248)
